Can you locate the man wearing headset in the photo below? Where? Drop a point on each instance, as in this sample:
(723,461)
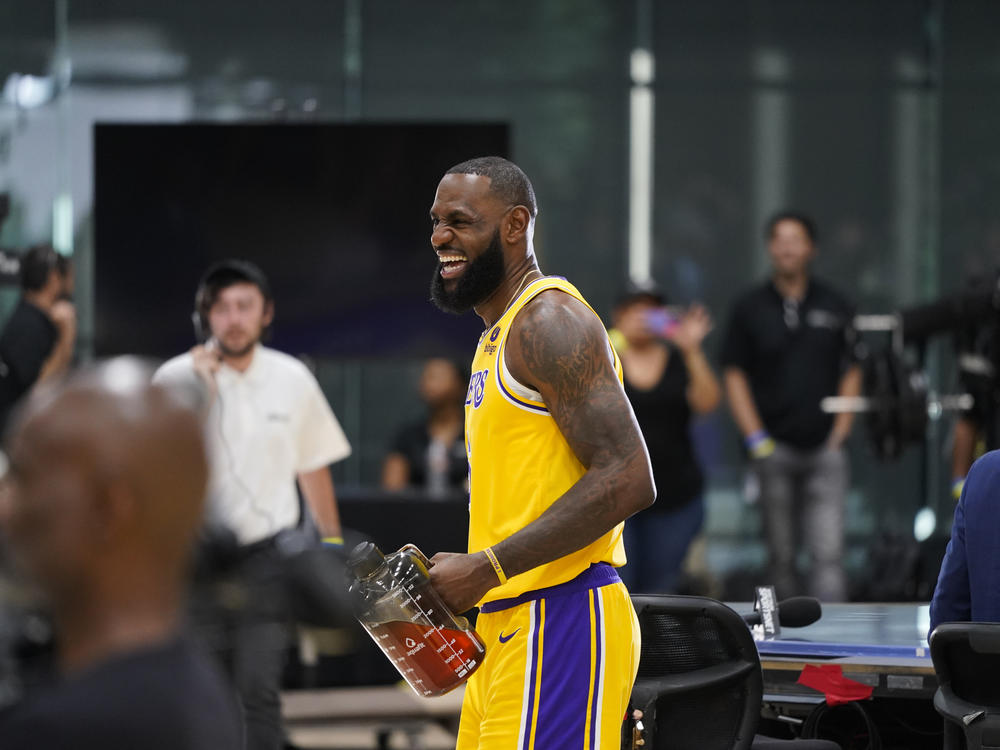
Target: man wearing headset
(269,427)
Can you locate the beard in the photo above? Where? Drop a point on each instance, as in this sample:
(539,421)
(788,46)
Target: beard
(480,279)
(241,351)
(237,353)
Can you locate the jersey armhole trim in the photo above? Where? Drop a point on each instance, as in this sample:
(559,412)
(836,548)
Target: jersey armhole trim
(510,388)
(517,393)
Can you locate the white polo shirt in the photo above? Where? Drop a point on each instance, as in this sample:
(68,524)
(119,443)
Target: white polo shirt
(266,425)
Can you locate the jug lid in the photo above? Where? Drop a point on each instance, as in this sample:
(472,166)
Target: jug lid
(365,559)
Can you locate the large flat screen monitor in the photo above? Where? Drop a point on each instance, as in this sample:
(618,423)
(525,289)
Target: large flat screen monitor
(335,214)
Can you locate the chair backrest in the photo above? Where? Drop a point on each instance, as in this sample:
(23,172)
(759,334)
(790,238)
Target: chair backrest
(699,683)
(966,659)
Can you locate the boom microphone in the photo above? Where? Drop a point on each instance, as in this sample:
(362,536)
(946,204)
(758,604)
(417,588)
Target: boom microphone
(794,612)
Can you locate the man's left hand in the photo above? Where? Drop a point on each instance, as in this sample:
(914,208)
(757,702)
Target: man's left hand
(462,580)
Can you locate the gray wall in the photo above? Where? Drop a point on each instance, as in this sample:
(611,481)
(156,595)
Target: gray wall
(879,118)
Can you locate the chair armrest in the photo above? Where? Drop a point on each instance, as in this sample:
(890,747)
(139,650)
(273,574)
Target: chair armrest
(953,708)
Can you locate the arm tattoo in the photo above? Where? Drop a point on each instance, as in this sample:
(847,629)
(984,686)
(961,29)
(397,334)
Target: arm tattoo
(563,351)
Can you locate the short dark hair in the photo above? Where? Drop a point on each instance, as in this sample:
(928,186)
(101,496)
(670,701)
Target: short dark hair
(633,293)
(64,264)
(507,180)
(36,265)
(803,219)
(224,274)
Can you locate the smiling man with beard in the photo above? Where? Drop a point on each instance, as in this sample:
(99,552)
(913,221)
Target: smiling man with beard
(477,279)
(557,463)
(269,426)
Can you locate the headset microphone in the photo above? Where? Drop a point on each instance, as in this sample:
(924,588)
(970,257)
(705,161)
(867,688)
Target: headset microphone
(200,334)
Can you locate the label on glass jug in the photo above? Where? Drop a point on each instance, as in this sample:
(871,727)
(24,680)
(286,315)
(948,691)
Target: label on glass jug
(433,660)
(433,651)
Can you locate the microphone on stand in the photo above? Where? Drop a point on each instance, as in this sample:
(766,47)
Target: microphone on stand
(794,612)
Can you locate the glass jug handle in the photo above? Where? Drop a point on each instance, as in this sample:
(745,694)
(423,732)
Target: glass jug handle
(417,553)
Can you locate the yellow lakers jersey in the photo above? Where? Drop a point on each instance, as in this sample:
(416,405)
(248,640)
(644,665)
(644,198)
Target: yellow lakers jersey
(519,461)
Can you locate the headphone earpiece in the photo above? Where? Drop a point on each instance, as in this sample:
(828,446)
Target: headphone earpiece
(200,327)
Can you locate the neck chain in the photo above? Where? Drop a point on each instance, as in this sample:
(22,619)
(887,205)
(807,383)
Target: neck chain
(520,288)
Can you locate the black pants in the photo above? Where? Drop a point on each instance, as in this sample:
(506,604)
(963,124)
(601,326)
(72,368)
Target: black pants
(243,615)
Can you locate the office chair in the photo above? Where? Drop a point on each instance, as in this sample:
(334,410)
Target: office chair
(699,683)
(966,659)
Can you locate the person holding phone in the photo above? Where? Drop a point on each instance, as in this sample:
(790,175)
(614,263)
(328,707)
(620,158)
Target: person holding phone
(269,427)
(668,380)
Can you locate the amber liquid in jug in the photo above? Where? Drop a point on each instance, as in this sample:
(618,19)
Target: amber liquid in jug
(432,649)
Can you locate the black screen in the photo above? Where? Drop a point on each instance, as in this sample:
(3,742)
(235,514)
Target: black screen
(335,215)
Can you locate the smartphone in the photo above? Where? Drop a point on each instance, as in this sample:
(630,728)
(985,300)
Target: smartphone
(662,321)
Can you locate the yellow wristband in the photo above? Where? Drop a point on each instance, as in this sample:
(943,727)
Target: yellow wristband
(336,541)
(497,568)
(956,487)
(763,448)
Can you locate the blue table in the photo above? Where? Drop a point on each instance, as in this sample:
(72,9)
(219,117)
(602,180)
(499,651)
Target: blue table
(881,645)
(862,631)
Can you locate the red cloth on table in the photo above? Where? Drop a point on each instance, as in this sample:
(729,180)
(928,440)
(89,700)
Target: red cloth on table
(829,679)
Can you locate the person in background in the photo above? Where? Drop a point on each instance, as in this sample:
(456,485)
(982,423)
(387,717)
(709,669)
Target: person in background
(429,454)
(102,501)
(270,428)
(38,340)
(668,380)
(789,345)
(977,430)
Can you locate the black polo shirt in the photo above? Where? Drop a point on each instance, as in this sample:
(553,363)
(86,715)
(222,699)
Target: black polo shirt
(793,356)
(978,350)
(26,342)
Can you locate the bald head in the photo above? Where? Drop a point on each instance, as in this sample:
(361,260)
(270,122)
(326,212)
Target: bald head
(107,473)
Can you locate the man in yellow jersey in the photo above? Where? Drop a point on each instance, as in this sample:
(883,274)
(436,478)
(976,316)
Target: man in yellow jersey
(557,463)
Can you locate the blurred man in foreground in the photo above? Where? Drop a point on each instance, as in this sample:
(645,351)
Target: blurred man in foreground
(105,493)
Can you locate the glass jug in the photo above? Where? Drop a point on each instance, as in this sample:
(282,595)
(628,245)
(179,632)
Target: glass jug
(434,650)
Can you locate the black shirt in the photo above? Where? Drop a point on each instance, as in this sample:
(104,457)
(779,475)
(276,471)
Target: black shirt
(793,356)
(978,349)
(413,443)
(161,698)
(664,417)
(26,342)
